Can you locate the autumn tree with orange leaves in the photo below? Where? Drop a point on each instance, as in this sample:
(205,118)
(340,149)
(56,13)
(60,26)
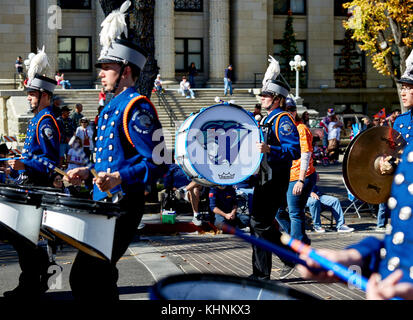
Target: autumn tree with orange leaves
(384,30)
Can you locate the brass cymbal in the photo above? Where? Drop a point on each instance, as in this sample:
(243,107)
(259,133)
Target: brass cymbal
(361,163)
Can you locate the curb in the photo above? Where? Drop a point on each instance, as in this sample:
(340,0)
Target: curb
(151,229)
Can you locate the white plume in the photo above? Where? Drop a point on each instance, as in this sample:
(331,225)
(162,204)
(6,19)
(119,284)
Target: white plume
(38,63)
(217,100)
(231,101)
(29,58)
(273,70)
(114,25)
(409,66)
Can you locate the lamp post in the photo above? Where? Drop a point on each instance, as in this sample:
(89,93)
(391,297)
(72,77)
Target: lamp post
(297,64)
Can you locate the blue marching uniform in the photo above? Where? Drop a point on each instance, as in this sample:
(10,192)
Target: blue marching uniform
(282,135)
(394,252)
(42,139)
(124,143)
(404,125)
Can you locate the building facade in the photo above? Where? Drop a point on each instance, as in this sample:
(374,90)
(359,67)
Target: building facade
(212,34)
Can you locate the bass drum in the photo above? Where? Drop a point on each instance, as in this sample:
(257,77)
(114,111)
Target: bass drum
(217,145)
(84,224)
(221,287)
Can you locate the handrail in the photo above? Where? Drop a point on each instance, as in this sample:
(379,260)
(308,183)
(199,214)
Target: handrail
(167,107)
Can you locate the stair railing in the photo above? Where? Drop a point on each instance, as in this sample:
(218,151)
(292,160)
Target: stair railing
(162,101)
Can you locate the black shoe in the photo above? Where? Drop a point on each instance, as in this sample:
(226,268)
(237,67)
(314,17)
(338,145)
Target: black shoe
(255,277)
(20,293)
(286,271)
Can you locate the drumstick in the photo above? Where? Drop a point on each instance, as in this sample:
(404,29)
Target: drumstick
(95,174)
(339,270)
(7,159)
(48,164)
(269,246)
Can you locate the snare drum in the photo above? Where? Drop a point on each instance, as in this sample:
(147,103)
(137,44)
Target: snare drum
(84,224)
(217,145)
(221,287)
(20,211)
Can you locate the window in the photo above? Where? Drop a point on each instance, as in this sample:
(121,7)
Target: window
(349,64)
(75,54)
(338,8)
(296,6)
(74,4)
(285,62)
(188,51)
(189,5)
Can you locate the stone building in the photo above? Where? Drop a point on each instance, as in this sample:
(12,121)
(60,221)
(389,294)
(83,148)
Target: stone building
(211,33)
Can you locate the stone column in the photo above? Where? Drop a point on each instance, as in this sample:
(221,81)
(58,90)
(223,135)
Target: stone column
(165,39)
(100,16)
(48,22)
(218,40)
(320,61)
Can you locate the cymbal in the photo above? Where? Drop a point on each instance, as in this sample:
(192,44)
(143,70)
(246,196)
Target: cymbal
(361,163)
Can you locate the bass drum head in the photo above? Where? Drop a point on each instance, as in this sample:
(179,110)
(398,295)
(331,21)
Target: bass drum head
(220,145)
(220,287)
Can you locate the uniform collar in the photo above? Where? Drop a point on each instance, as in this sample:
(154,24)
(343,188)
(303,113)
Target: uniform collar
(43,111)
(274,112)
(123,94)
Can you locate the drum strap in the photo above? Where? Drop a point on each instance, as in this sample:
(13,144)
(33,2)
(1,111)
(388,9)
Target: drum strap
(38,125)
(265,169)
(126,114)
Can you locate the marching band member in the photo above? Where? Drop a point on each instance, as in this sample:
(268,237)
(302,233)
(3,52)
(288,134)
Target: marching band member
(281,147)
(42,139)
(388,262)
(124,157)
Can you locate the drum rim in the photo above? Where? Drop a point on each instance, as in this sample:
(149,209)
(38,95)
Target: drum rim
(186,144)
(157,287)
(59,201)
(56,233)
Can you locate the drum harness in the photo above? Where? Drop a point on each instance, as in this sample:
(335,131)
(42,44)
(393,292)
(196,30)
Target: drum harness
(265,171)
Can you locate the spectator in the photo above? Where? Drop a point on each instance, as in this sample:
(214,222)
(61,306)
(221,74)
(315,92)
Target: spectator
(177,181)
(19,71)
(257,112)
(376,121)
(324,123)
(56,104)
(334,129)
(67,130)
(318,203)
(77,114)
(60,78)
(305,118)
(102,97)
(185,89)
(76,158)
(158,83)
(223,203)
(228,77)
(367,124)
(192,72)
(393,117)
(85,133)
(4,151)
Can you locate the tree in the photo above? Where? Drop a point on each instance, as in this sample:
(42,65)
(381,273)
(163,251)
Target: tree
(384,29)
(141,30)
(349,73)
(289,49)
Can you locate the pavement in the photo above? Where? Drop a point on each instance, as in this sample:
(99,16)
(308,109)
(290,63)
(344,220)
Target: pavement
(162,250)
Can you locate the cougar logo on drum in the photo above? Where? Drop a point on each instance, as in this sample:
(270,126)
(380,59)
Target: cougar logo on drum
(222,140)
